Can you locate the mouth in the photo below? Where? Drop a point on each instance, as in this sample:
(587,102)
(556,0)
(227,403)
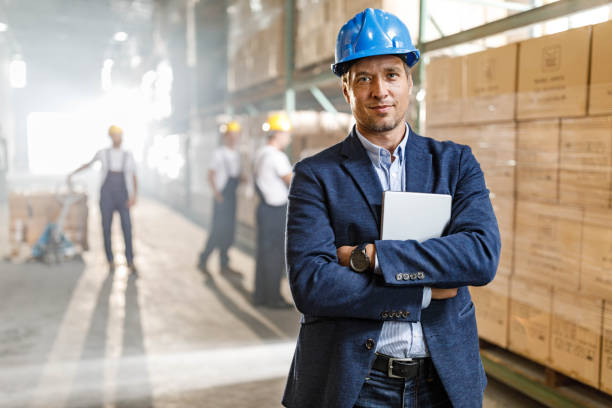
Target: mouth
(381,108)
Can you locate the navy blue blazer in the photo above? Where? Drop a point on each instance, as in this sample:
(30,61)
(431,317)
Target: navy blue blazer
(334,200)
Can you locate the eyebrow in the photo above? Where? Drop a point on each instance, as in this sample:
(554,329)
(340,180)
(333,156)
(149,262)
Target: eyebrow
(386,69)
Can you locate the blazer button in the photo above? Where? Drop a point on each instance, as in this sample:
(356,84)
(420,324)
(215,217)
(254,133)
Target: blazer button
(406,276)
(369,344)
(384,315)
(420,275)
(392,314)
(406,314)
(399,276)
(413,276)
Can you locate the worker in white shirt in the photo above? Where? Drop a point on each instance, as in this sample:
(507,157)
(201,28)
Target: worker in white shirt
(118,193)
(223,178)
(273,174)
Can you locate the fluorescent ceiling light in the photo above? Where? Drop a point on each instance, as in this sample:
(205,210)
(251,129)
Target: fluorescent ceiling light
(120,36)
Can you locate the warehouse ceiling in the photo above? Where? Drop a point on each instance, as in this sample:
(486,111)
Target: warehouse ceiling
(64,42)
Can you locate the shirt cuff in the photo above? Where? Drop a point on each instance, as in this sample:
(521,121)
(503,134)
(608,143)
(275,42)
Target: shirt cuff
(377,270)
(426,297)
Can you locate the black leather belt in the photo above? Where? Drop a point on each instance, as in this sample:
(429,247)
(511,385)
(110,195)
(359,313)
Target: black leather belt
(407,368)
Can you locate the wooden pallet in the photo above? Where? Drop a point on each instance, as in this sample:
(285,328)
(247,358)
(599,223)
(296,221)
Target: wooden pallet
(540,383)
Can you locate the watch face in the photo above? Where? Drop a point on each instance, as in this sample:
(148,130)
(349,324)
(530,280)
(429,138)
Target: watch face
(359,261)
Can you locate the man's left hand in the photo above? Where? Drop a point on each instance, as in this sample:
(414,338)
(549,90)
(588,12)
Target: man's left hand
(344,254)
(131,202)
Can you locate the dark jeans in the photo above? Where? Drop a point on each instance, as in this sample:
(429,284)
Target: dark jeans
(380,391)
(270,262)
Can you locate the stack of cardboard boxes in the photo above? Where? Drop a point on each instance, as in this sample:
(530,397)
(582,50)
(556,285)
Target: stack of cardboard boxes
(256,42)
(547,159)
(29,215)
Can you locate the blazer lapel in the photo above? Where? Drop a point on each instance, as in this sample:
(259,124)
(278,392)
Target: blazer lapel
(418,166)
(358,165)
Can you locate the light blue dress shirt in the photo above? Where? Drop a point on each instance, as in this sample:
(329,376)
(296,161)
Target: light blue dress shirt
(397,339)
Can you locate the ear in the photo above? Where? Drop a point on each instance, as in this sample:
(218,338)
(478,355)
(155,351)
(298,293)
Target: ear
(345,91)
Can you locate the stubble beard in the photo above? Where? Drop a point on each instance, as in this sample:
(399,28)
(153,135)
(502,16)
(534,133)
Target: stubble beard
(386,126)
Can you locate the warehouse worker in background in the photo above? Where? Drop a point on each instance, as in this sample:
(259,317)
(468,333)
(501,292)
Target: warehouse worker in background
(118,193)
(371,335)
(223,178)
(272,178)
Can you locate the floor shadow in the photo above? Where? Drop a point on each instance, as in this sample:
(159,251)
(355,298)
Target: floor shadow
(254,324)
(88,385)
(133,382)
(285,319)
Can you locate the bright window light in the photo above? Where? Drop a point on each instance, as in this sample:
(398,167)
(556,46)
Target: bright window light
(50,132)
(18,73)
(3,27)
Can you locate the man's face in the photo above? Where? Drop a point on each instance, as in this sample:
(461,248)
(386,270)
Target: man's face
(378,89)
(231,138)
(283,138)
(117,138)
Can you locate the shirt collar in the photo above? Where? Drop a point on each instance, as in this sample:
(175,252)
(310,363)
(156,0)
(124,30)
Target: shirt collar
(375,151)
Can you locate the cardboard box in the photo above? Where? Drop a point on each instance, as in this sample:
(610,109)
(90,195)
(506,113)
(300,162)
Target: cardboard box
(548,244)
(537,161)
(600,100)
(444,91)
(605,383)
(596,261)
(530,319)
(256,43)
(576,336)
(586,162)
(490,85)
(553,75)
(317,26)
(405,10)
(504,211)
(35,226)
(492,303)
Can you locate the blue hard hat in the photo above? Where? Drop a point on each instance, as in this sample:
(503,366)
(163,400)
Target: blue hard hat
(373,32)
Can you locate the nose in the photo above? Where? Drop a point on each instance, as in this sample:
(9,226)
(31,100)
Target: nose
(379,88)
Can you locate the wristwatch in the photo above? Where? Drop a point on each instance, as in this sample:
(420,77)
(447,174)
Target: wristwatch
(359,260)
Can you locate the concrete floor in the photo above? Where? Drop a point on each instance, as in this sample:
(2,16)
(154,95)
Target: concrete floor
(72,335)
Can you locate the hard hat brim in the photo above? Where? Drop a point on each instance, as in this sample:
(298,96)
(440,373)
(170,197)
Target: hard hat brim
(410,57)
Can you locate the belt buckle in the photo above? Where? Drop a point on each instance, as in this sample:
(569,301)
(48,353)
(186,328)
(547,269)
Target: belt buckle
(390,368)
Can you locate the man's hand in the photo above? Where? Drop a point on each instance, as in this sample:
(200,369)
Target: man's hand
(218,197)
(131,202)
(344,254)
(440,294)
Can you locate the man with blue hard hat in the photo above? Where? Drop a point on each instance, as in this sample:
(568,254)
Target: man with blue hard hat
(385,323)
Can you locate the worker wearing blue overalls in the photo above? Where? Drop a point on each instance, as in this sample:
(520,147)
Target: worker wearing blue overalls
(118,193)
(272,178)
(223,178)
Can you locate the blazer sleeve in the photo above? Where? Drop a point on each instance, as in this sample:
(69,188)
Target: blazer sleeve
(467,255)
(319,284)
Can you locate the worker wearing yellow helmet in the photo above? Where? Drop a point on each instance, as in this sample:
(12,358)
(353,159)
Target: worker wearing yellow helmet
(273,174)
(118,193)
(223,178)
